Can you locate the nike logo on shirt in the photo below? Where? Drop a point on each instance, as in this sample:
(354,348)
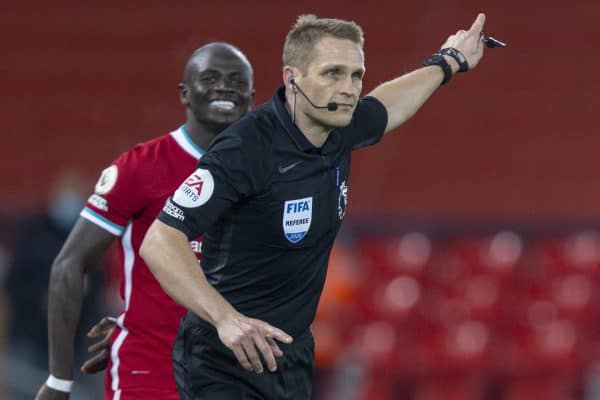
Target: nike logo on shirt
(285,168)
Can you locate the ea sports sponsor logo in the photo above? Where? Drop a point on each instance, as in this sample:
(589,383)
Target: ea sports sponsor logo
(107,180)
(196,190)
(297,215)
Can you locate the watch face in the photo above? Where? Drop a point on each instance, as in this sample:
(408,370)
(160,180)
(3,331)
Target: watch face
(452,52)
(458,56)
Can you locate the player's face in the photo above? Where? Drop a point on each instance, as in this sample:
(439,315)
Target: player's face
(333,75)
(219,90)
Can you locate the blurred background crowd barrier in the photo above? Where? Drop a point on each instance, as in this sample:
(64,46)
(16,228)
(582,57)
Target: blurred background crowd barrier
(468,264)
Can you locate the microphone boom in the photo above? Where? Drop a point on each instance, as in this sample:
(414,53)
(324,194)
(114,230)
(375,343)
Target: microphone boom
(331,106)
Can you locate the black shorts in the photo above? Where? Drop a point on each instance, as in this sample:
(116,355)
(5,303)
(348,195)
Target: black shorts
(206,369)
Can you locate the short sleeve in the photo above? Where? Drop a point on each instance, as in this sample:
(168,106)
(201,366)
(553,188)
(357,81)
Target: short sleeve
(368,124)
(117,195)
(231,170)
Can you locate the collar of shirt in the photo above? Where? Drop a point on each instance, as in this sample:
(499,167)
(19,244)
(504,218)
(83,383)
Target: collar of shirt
(331,144)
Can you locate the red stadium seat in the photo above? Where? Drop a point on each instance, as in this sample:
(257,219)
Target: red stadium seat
(378,346)
(546,350)
(396,300)
(497,254)
(407,254)
(438,322)
(461,350)
(578,253)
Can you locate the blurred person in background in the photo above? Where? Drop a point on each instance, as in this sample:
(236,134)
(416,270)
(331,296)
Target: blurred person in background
(270,196)
(36,245)
(216,90)
(333,320)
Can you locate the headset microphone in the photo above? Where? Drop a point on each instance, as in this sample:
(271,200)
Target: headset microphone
(331,106)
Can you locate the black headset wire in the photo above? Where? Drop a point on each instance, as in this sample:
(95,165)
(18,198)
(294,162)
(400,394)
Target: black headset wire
(295,100)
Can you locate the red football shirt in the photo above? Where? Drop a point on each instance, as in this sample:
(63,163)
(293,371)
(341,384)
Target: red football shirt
(128,196)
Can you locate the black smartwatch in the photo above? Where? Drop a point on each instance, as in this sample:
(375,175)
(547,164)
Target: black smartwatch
(440,61)
(459,57)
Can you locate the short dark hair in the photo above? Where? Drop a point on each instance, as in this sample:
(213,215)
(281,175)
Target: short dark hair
(308,30)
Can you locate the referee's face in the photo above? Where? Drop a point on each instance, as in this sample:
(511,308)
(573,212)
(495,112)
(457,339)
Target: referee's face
(334,74)
(219,89)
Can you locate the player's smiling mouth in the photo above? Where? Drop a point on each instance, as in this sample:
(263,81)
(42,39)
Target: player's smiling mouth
(222,104)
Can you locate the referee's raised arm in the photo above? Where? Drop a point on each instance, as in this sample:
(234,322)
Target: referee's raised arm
(403,96)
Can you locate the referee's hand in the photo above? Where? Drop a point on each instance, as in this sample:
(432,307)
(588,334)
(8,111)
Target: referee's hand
(45,393)
(469,42)
(244,336)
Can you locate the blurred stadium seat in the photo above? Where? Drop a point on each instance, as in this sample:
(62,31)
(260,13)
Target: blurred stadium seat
(467,316)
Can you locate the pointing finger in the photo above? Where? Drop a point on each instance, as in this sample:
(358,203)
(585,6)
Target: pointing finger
(478,24)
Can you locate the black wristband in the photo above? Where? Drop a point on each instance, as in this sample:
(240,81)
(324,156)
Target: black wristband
(463,65)
(440,61)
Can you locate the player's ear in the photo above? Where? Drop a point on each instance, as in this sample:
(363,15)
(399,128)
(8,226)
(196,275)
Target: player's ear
(183,94)
(250,105)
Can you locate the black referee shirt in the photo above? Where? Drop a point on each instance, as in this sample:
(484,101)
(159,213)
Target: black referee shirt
(270,205)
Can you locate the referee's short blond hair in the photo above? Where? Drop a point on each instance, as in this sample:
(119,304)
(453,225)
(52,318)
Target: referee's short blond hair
(308,30)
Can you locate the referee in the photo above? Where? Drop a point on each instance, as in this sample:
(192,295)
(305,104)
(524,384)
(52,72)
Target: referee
(269,197)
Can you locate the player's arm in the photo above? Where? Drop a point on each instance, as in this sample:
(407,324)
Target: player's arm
(85,246)
(167,253)
(403,96)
